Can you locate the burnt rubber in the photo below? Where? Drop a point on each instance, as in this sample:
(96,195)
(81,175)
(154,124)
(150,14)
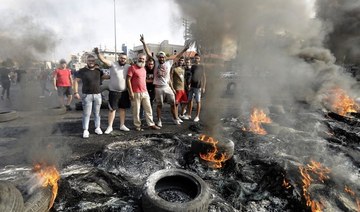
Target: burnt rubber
(39,201)
(8,115)
(179,181)
(224,146)
(10,198)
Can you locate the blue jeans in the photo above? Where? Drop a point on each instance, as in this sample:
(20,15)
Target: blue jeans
(91,102)
(194,92)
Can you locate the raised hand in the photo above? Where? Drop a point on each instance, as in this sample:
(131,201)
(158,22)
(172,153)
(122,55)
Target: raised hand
(142,40)
(96,50)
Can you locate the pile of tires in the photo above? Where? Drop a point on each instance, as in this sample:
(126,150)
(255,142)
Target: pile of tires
(175,190)
(11,199)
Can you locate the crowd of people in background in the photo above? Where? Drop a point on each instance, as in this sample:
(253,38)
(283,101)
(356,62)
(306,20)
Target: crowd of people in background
(136,85)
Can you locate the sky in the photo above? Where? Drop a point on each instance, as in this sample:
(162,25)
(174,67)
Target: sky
(81,25)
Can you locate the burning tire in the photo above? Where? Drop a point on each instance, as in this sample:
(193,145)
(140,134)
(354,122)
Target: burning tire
(10,198)
(39,201)
(175,190)
(8,115)
(220,151)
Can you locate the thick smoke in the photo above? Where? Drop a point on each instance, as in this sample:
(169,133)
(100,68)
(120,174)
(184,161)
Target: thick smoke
(277,50)
(26,42)
(275,47)
(23,39)
(343,21)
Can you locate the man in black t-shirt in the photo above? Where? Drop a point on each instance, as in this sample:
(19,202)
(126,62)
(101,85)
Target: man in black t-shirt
(91,94)
(197,87)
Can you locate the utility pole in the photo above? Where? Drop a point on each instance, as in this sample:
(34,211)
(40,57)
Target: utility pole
(115,27)
(187,29)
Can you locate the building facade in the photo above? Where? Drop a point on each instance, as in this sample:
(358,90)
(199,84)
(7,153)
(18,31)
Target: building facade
(165,46)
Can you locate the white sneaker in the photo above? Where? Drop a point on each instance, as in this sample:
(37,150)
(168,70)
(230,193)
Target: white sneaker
(86,134)
(196,119)
(176,121)
(159,124)
(181,121)
(98,131)
(186,117)
(124,128)
(108,130)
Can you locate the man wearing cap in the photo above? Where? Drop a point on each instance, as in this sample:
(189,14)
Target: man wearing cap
(63,82)
(164,91)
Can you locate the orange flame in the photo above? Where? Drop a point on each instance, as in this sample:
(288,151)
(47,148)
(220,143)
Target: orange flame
(212,155)
(256,118)
(349,191)
(341,103)
(319,170)
(48,175)
(286,184)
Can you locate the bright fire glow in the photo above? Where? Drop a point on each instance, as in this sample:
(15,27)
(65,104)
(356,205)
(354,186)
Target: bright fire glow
(212,155)
(341,103)
(286,184)
(256,118)
(349,191)
(49,176)
(314,168)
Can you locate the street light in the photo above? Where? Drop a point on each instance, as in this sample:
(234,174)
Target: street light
(115,26)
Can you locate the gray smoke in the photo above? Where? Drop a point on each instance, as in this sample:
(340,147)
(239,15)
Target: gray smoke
(343,21)
(26,42)
(274,46)
(277,50)
(23,39)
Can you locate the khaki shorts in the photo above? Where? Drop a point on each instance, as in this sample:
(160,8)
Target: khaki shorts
(163,95)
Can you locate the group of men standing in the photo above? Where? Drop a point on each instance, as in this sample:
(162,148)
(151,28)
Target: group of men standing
(137,85)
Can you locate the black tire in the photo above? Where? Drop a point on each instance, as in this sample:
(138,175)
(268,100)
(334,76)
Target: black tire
(39,201)
(10,198)
(8,115)
(175,180)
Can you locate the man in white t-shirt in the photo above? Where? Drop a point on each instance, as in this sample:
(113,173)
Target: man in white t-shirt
(164,91)
(118,93)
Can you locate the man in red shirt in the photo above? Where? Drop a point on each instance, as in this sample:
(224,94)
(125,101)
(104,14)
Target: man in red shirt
(139,96)
(63,84)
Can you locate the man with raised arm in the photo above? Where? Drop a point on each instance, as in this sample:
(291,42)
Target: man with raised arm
(118,93)
(164,91)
